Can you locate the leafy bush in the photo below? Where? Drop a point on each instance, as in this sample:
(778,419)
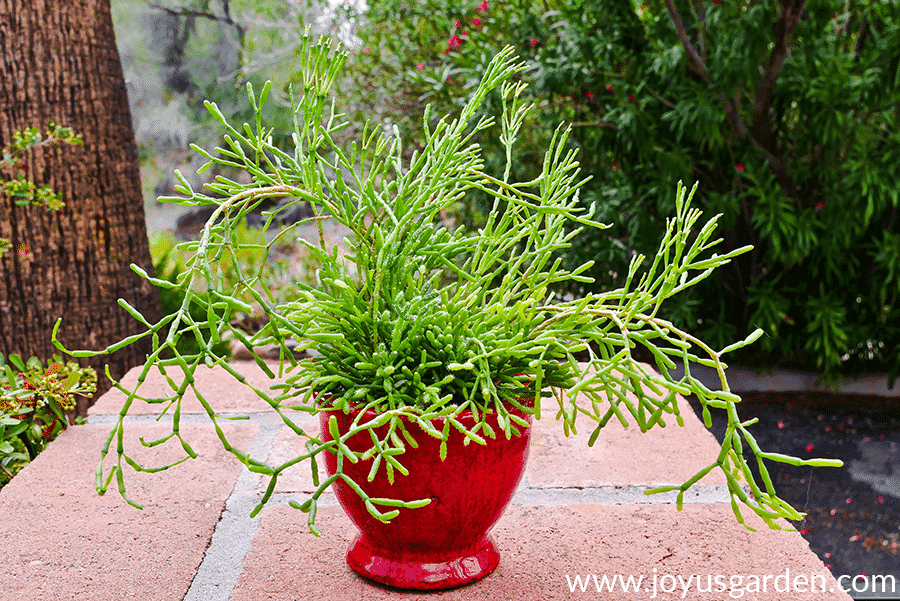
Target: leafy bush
(785,112)
(33,406)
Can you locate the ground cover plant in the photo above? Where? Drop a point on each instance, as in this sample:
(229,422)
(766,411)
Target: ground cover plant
(35,405)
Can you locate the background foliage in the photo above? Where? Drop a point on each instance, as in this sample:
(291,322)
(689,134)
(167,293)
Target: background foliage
(12,161)
(785,112)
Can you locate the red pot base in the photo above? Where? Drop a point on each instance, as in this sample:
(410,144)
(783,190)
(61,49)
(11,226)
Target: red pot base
(428,571)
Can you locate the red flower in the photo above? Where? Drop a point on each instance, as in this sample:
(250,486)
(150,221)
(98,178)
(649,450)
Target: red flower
(820,206)
(589,94)
(453,42)
(457,23)
(483,6)
(534,42)
(476,21)
(609,87)
(780,424)
(717,1)
(615,164)
(449,80)
(631,97)
(809,447)
(420,66)
(739,166)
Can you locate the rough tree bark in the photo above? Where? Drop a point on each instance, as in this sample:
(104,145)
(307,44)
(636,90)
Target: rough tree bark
(59,62)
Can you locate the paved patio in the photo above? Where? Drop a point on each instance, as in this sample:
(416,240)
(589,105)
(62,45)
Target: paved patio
(579,513)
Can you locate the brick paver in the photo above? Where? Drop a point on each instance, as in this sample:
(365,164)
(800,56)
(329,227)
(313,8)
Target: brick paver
(580,512)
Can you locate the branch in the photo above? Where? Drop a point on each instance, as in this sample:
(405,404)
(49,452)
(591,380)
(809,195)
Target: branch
(731,105)
(190,12)
(597,123)
(660,98)
(686,42)
(864,31)
(783,29)
(241,30)
(185,12)
(700,14)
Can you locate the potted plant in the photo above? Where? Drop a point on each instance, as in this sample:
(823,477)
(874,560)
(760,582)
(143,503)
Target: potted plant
(434,347)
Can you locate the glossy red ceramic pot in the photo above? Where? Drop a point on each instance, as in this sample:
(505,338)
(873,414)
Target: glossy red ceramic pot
(446,543)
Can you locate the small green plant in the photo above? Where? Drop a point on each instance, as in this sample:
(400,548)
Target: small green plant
(24,191)
(34,402)
(418,321)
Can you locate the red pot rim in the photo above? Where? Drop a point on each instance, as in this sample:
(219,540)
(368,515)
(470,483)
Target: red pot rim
(465,416)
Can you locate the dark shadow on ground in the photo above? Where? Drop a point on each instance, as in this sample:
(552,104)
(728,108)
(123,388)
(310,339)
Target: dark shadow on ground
(853,513)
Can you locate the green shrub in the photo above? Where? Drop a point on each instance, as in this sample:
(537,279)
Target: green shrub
(33,406)
(784,112)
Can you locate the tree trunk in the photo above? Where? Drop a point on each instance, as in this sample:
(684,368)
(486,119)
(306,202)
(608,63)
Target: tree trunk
(59,62)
